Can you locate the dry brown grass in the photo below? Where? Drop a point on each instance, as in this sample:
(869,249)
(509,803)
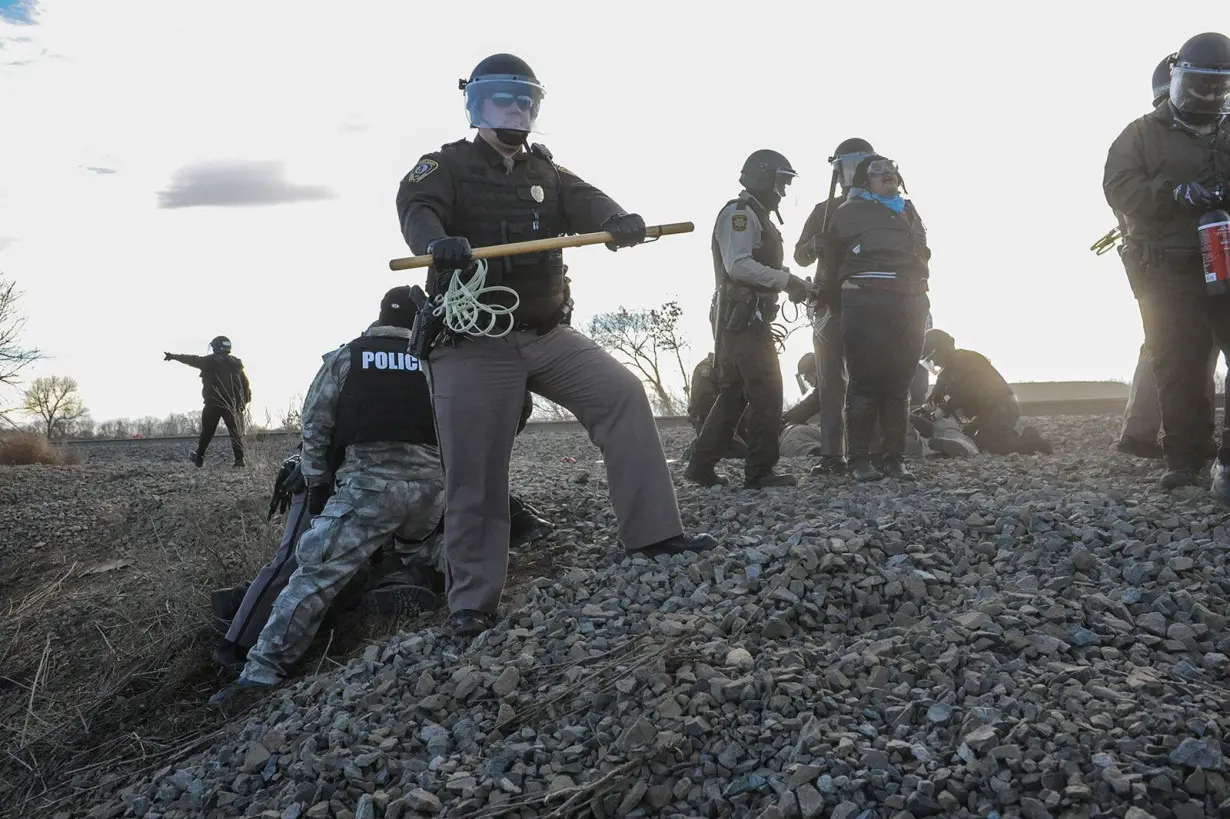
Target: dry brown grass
(105,662)
(25,448)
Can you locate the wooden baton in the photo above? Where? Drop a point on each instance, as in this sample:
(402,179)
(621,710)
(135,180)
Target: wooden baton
(537,245)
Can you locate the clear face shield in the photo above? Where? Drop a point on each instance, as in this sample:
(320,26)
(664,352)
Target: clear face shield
(504,102)
(1200,90)
(845,165)
(781,180)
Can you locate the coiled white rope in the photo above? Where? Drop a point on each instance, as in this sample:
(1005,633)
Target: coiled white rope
(462,309)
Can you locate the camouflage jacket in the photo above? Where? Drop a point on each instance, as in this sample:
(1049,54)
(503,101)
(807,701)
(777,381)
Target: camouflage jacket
(369,465)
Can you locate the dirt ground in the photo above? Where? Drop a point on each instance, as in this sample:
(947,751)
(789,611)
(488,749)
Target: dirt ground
(105,574)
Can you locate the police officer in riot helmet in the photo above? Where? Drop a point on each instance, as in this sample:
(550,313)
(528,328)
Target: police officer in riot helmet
(1161,79)
(749,275)
(1142,420)
(1163,173)
(494,190)
(826,321)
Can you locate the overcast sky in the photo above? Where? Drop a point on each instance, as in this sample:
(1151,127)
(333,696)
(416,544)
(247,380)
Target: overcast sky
(176,170)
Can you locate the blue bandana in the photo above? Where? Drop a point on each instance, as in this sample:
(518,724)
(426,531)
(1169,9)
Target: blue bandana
(896,203)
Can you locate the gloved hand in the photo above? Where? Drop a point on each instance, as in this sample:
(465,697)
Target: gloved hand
(166,356)
(628,230)
(282,491)
(450,253)
(798,289)
(1195,195)
(318,496)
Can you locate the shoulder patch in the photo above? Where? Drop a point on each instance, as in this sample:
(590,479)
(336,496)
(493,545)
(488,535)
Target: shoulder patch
(562,169)
(422,170)
(738,221)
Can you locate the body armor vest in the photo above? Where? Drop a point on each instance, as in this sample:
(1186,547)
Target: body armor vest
(494,207)
(771,253)
(384,398)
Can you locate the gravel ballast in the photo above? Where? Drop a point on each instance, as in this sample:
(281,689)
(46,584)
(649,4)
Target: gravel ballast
(1016,636)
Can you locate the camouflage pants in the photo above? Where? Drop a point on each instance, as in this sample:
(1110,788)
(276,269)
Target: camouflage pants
(356,522)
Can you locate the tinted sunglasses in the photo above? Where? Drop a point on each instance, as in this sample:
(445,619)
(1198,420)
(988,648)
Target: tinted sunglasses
(503,99)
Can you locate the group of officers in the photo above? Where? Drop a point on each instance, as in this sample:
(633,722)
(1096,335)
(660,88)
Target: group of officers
(870,317)
(414,450)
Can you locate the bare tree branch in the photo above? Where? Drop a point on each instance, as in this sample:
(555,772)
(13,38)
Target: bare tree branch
(646,341)
(13,356)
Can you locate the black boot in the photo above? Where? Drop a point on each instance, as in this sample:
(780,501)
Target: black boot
(769,480)
(895,421)
(829,465)
(703,476)
(860,426)
(466,623)
(197,458)
(676,545)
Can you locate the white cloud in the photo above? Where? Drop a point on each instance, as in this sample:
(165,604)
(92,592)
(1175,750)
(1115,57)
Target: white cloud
(106,105)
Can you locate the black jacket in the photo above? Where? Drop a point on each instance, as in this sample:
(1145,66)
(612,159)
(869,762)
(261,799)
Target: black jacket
(223,380)
(866,237)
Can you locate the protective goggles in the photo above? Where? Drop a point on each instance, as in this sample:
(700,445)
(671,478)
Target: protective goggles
(881,166)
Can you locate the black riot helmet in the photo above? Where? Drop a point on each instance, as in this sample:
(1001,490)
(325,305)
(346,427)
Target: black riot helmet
(936,343)
(397,309)
(1200,79)
(503,94)
(765,175)
(1161,79)
(221,345)
(846,157)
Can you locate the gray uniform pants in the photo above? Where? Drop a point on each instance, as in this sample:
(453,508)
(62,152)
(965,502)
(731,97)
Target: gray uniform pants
(356,522)
(831,382)
(1143,418)
(258,600)
(477,388)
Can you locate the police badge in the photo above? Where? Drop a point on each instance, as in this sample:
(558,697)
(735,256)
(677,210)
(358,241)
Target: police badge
(422,169)
(537,192)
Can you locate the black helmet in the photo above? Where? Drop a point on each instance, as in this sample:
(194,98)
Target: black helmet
(936,341)
(846,157)
(1200,80)
(766,174)
(1161,79)
(853,145)
(807,363)
(397,309)
(508,82)
(220,345)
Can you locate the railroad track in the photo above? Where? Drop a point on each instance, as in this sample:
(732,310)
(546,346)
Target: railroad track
(1073,406)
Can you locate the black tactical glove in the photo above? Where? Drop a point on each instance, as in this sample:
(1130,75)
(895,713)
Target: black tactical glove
(1195,195)
(797,289)
(167,356)
(628,230)
(282,492)
(318,496)
(450,253)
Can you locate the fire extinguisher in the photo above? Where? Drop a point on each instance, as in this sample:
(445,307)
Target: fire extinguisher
(1214,229)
